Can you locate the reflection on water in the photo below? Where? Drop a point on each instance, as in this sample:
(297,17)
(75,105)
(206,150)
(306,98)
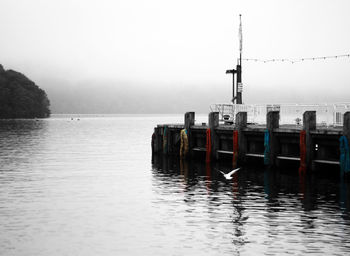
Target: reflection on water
(258,211)
(18,137)
(88,187)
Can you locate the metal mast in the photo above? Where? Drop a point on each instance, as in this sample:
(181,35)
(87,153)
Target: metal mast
(238,70)
(239,65)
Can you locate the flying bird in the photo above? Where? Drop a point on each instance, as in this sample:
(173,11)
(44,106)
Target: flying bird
(228,176)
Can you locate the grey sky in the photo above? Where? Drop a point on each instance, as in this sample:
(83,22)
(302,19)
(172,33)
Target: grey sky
(181,46)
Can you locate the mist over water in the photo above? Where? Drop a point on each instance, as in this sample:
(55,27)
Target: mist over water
(88,185)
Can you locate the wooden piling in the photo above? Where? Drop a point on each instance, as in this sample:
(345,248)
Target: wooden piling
(241,123)
(189,121)
(309,120)
(213,121)
(272,120)
(309,124)
(170,146)
(165,140)
(158,140)
(155,140)
(272,123)
(346,125)
(344,155)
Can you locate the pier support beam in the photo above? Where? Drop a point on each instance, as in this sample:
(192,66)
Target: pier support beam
(241,123)
(309,124)
(213,121)
(165,139)
(189,121)
(346,125)
(272,122)
(156,140)
(344,149)
(170,142)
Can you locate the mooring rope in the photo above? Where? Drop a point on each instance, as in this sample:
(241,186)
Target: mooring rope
(302,146)
(184,143)
(344,155)
(208,146)
(235,149)
(267,147)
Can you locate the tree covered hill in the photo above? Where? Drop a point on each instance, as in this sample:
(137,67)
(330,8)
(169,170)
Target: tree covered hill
(20,97)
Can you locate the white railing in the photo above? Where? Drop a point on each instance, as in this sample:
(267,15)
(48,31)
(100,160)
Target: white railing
(326,114)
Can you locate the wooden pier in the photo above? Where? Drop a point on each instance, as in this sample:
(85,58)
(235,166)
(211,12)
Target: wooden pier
(307,146)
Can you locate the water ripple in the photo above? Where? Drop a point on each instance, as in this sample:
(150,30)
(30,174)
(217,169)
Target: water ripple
(87,187)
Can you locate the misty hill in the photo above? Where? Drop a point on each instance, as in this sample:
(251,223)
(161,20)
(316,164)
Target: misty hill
(118,97)
(21,97)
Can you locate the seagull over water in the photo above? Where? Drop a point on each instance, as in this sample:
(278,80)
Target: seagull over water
(228,176)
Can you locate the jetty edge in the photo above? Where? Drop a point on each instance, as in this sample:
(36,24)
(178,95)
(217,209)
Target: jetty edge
(308,146)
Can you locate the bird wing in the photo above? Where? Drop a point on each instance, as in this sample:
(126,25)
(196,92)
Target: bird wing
(233,171)
(222,173)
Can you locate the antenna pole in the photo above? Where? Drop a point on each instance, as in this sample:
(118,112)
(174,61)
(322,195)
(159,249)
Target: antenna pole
(233,72)
(238,71)
(239,65)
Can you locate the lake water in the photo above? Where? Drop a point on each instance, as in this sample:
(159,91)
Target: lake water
(89,186)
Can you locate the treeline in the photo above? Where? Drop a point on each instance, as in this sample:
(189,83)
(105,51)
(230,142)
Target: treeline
(20,97)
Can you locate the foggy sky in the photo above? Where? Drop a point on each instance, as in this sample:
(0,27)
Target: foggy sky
(159,56)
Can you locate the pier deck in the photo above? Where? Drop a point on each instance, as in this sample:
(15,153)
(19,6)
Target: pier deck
(308,145)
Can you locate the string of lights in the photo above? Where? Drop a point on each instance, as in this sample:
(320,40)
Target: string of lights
(300,59)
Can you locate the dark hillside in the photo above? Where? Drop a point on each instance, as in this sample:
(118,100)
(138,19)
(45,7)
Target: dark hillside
(20,97)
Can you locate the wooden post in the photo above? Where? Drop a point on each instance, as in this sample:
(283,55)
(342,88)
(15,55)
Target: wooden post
(213,121)
(170,141)
(241,123)
(159,140)
(309,120)
(309,124)
(272,122)
(346,125)
(189,121)
(155,140)
(344,155)
(165,140)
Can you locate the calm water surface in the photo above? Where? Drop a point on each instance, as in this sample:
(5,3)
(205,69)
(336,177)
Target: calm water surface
(91,187)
